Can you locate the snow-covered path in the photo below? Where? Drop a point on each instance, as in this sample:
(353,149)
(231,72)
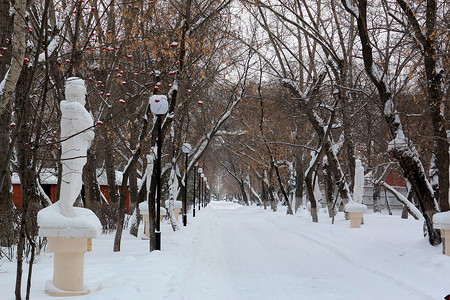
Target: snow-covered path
(249,256)
(232,252)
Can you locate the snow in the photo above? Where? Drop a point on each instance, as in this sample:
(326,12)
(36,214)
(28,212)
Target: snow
(410,205)
(400,142)
(389,107)
(317,192)
(50,287)
(52,223)
(143,207)
(353,206)
(176,204)
(46,176)
(3,83)
(50,49)
(234,252)
(442,220)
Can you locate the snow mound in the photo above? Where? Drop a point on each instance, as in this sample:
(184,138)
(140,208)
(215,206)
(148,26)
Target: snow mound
(52,223)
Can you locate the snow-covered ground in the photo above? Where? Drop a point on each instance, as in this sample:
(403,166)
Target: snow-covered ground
(233,252)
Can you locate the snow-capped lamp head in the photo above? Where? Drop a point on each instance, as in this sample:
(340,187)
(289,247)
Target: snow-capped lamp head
(186,148)
(159,105)
(75,90)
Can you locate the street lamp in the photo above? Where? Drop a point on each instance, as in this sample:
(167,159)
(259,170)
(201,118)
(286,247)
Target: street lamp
(206,192)
(203,189)
(200,173)
(186,149)
(193,198)
(205,199)
(159,107)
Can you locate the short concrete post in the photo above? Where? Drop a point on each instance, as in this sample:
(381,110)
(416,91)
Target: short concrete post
(68,239)
(143,208)
(355,212)
(442,221)
(177,205)
(68,270)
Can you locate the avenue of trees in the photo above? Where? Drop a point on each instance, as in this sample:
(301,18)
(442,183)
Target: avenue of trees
(275,96)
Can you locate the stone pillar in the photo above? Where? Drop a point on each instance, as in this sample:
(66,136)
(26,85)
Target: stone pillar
(68,238)
(68,270)
(442,221)
(143,208)
(355,219)
(355,212)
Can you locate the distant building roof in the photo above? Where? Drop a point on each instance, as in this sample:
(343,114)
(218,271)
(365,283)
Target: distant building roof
(395,179)
(47,176)
(50,176)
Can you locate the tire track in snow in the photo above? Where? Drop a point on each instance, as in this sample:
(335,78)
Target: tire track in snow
(354,260)
(204,276)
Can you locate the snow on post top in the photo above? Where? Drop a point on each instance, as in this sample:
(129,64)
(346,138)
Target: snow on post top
(442,220)
(176,204)
(353,206)
(52,223)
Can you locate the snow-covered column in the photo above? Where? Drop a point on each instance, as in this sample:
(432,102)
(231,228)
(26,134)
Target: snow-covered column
(358,189)
(69,230)
(442,221)
(317,194)
(355,212)
(143,206)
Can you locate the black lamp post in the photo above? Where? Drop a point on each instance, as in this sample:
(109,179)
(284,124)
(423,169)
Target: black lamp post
(200,172)
(159,107)
(186,149)
(193,198)
(203,189)
(206,192)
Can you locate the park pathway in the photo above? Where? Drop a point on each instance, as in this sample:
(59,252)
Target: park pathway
(242,255)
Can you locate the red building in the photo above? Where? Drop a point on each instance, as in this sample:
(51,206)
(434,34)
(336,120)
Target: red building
(49,184)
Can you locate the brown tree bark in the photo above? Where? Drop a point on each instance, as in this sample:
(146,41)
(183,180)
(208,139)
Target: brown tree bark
(411,165)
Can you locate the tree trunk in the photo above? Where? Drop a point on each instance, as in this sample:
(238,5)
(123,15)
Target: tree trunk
(329,190)
(92,198)
(406,154)
(243,192)
(376,199)
(27,173)
(311,198)
(300,181)
(264,194)
(9,24)
(111,173)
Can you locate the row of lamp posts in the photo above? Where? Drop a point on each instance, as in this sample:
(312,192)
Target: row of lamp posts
(159,107)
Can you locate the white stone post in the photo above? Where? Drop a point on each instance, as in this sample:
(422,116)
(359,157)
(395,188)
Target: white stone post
(355,212)
(143,208)
(68,239)
(442,221)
